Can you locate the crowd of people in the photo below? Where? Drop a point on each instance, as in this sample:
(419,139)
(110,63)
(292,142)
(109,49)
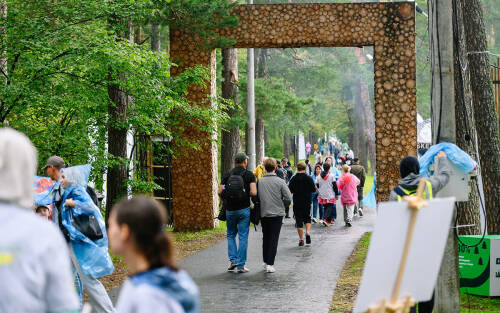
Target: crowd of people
(273,187)
(50,254)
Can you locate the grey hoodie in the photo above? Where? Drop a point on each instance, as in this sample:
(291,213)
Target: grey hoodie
(273,195)
(438,181)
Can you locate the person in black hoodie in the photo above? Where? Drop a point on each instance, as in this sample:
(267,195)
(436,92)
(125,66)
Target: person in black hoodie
(302,186)
(410,178)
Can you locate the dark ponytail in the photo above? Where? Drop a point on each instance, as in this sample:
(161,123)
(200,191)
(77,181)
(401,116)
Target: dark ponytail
(146,219)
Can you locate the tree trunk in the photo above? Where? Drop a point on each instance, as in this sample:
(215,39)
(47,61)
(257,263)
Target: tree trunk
(259,137)
(361,151)
(467,212)
(155,37)
(486,120)
(286,143)
(117,135)
(230,138)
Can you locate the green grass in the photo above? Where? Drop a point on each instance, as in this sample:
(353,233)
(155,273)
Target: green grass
(188,236)
(479,304)
(350,278)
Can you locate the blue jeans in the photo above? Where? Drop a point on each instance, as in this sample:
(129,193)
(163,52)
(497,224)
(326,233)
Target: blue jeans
(314,198)
(238,222)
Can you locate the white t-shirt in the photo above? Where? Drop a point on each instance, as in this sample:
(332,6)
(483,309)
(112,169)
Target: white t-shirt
(35,273)
(145,298)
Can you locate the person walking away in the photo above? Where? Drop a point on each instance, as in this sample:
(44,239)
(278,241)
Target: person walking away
(314,197)
(236,188)
(35,273)
(288,173)
(327,194)
(308,149)
(274,196)
(259,170)
(288,169)
(347,184)
(359,171)
(280,172)
(409,168)
(308,167)
(155,284)
(302,186)
(317,156)
(88,249)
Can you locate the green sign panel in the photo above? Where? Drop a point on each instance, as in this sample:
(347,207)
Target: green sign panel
(480,265)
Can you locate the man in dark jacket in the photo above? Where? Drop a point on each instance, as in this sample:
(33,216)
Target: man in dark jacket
(359,171)
(302,186)
(238,210)
(288,169)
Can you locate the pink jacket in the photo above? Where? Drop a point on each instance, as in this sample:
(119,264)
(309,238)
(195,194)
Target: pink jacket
(347,183)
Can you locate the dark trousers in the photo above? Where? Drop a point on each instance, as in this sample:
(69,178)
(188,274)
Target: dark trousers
(330,212)
(424,307)
(271,227)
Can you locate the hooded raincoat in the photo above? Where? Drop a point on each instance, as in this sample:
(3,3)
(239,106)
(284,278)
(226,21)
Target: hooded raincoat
(92,256)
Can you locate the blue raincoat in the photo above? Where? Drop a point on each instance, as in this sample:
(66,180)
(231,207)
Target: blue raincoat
(456,156)
(93,256)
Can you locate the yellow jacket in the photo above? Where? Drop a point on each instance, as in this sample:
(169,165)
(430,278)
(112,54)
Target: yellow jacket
(259,171)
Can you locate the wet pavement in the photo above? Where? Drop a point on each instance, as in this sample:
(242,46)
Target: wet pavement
(304,280)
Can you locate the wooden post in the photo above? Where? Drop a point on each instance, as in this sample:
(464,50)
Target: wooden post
(447,294)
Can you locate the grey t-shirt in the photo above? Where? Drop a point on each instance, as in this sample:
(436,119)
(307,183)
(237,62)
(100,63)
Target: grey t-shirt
(35,273)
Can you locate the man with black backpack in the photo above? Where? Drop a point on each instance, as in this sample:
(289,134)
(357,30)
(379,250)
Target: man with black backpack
(236,188)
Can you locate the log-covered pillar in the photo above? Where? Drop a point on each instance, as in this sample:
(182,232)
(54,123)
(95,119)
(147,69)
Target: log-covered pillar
(395,95)
(194,172)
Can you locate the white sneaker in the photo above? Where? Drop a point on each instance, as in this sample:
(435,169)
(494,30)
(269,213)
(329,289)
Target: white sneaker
(243,270)
(264,265)
(270,269)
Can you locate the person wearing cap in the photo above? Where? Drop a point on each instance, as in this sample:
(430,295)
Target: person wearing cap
(95,290)
(35,273)
(43,211)
(238,211)
(409,169)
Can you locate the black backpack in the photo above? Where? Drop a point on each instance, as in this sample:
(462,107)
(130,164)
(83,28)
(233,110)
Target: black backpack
(234,191)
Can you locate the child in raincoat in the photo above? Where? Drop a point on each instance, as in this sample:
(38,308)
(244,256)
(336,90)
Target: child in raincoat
(347,183)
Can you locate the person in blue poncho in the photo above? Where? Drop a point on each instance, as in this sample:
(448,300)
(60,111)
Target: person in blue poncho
(156,284)
(87,236)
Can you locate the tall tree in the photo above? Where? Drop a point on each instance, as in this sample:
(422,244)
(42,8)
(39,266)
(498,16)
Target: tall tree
(467,212)
(231,141)
(117,126)
(486,120)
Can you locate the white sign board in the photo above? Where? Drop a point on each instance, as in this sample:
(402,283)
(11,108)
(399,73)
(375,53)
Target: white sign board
(302,147)
(386,248)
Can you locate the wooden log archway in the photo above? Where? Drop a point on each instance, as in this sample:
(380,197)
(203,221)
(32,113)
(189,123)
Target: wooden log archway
(389,27)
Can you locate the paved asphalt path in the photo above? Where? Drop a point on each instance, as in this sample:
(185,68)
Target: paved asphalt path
(304,280)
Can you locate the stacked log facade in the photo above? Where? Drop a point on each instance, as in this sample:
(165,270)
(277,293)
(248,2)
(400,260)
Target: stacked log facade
(389,27)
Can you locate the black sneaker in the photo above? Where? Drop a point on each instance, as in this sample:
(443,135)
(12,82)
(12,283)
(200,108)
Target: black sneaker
(301,243)
(360,211)
(348,224)
(308,239)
